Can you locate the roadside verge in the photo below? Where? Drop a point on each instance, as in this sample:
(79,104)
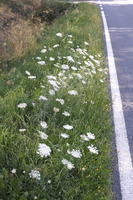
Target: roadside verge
(55,125)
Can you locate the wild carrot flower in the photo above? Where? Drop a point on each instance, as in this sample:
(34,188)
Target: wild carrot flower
(87,63)
(70,36)
(52,59)
(22,130)
(31,77)
(13,171)
(75,153)
(43,150)
(38,58)
(43,50)
(28,73)
(73,92)
(87,137)
(70,59)
(79,76)
(43,98)
(74,68)
(49,181)
(84,82)
(68,127)
(41,62)
(56,45)
(61,101)
(59,34)
(93,149)
(68,164)
(53,83)
(51,92)
(70,42)
(42,86)
(22,105)
(35,174)
(43,135)
(86,43)
(64,67)
(65,113)
(56,109)
(43,124)
(51,77)
(64,135)
(91,136)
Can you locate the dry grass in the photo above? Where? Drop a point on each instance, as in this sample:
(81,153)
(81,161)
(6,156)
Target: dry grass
(18,39)
(21,22)
(17,35)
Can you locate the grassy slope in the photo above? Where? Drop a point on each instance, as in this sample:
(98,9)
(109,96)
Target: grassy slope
(89,180)
(22,23)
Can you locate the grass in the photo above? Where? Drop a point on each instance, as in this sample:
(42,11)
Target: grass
(87,177)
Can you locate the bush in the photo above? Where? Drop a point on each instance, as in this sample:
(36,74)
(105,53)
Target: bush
(50,11)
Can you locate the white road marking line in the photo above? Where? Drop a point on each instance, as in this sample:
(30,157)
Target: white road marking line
(124,2)
(124,156)
(117,2)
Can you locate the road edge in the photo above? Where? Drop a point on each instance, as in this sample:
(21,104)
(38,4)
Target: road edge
(123,151)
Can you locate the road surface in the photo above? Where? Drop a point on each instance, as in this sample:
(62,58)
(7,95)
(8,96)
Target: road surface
(119,16)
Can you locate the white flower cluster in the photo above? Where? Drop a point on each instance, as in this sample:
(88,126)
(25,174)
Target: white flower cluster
(75,153)
(43,150)
(64,135)
(93,149)
(88,136)
(22,105)
(68,67)
(43,124)
(35,174)
(68,164)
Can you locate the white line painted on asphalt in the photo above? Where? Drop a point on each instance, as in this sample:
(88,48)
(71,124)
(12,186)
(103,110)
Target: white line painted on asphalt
(117,2)
(123,151)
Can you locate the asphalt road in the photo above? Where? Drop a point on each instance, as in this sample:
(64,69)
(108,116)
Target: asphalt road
(120,23)
(119,16)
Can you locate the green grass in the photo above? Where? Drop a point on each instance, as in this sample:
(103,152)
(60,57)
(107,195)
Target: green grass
(89,112)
